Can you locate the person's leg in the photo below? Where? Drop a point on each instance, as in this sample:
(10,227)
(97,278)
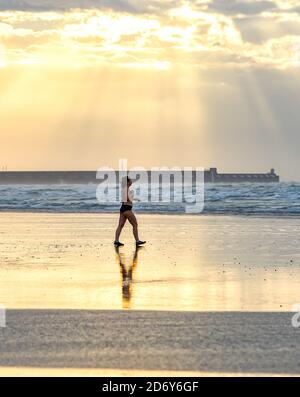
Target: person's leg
(132,219)
(122,222)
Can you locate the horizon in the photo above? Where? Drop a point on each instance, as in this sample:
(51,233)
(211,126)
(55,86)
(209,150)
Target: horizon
(208,171)
(154,168)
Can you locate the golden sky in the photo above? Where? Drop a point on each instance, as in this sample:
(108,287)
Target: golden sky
(160,82)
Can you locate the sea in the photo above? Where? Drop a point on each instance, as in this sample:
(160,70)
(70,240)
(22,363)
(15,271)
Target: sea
(249,199)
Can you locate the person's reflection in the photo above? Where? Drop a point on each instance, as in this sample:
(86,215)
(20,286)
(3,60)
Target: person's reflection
(128,264)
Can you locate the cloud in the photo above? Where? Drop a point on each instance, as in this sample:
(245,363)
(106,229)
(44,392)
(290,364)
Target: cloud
(57,5)
(20,5)
(161,33)
(287,4)
(226,7)
(133,6)
(234,7)
(259,29)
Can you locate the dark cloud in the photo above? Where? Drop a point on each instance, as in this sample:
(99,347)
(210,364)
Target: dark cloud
(227,7)
(257,29)
(53,5)
(6,5)
(233,7)
(131,6)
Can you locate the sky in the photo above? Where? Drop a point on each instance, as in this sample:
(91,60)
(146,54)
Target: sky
(207,83)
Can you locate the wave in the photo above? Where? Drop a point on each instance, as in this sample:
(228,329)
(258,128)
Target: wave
(281,199)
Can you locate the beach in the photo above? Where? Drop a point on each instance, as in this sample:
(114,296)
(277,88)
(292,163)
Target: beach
(186,115)
(206,295)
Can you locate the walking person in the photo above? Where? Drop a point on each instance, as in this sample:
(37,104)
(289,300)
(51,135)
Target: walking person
(126,213)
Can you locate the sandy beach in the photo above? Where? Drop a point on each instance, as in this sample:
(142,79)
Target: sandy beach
(146,342)
(208,294)
(190,263)
(185,114)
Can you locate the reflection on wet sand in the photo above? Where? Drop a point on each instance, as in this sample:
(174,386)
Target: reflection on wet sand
(128,264)
(190,263)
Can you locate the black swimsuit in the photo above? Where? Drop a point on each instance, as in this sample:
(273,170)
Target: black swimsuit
(125,207)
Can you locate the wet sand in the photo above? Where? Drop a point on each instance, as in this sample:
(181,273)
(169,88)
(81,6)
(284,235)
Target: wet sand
(142,341)
(191,263)
(188,295)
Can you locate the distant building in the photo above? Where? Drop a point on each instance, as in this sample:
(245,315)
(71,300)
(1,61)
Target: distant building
(213,176)
(84,177)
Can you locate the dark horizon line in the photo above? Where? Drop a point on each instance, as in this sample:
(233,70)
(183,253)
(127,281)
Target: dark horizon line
(210,175)
(212,169)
